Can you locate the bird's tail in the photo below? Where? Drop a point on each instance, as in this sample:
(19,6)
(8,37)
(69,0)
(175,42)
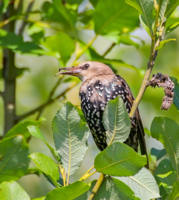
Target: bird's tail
(141,137)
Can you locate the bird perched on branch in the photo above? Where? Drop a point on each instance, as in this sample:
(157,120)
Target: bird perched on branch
(99,85)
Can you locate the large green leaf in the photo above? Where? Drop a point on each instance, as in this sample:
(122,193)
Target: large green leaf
(93,55)
(21,129)
(110,189)
(145,8)
(70,137)
(166,131)
(13,158)
(115,16)
(16,43)
(143,184)
(35,131)
(61,45)
(69,192)
(119,159)
(176,93)
(114,189)
(116,121)
(165,174)
(174,195)
(46,165)
(171,6)
(70,18)
(13,191)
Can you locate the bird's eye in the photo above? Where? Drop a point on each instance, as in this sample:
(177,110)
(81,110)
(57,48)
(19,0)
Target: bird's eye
(86,66)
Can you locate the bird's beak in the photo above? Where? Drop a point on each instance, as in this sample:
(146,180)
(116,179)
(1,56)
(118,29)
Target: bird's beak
(70,71)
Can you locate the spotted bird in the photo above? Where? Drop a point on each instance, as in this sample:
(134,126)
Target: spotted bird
(99,85)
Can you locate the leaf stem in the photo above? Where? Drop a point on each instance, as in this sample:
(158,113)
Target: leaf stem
(86,175)
(97,186)
(150,64)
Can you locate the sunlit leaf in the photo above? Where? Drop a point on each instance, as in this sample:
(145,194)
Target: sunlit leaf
(119,159)
(172,4)
(166,131)
(175,192)
(70,137)
(143,184)
(116,121)
(117,16)
(71,18)
(163,42)
(69,192)
(165,174)
(13,158)
(145,8)
(21,129)
(172,27)
(13,191)
(46,165)
(61,45)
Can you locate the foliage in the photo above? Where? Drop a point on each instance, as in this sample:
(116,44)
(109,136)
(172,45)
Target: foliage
(57,33)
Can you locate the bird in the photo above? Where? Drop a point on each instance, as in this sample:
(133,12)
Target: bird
(99,85)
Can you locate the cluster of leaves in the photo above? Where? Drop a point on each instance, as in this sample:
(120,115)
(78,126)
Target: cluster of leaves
(113,20)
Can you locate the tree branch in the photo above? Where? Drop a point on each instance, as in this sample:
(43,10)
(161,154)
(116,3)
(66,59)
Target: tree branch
(41,107)
(97,186)
(150,64)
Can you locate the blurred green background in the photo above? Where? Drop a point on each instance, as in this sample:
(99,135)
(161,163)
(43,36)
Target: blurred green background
(34,85)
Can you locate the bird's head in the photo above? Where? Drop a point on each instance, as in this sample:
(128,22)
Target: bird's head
(87,70)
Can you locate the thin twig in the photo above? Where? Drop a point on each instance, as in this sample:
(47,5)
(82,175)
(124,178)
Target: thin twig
(109,49)
(150,64)
(18,118)
(97,185)
(21,29)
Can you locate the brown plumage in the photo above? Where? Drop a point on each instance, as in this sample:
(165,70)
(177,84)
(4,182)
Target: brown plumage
(99,85)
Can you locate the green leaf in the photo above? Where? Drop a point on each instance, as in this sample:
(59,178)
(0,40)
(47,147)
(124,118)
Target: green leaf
(86,195)
(175,192)
(163,42)
(13,158)
(165,174)
(70,137)
(94,2)
(158,153)
(35,131)
(145,8)
(172,27)
(147,132)
(16,43)
(143,184)
(69,192)
(61,45)
(21,129)
(13,191)
(96,57)
(46,165)
(115,16)
(3,6)
(166,131)
(70,18)
(114,189)
(74,1)
(176,92)
(171,7)
(119,159)
(116,121)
